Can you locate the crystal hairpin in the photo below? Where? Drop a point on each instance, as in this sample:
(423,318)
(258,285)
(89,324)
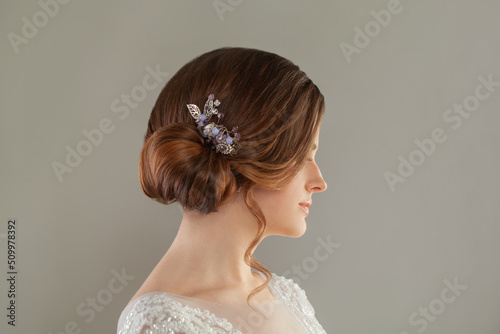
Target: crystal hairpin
(216,134)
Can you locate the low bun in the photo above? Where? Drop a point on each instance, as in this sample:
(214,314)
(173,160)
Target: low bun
(176,165)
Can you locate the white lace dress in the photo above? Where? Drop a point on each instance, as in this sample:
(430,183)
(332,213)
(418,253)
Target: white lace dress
(161,312)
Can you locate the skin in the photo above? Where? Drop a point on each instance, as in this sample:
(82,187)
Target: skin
(205,260)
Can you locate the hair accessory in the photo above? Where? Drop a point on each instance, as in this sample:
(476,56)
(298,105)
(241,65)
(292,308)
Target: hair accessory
(215,134)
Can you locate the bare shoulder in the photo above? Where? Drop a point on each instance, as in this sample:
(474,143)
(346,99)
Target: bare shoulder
(157,281)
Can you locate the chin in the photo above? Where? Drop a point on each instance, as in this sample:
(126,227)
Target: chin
(295,231)
(298,233)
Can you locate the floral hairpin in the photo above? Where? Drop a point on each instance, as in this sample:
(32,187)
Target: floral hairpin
(216,134)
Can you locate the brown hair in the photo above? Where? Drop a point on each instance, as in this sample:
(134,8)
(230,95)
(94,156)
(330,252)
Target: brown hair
(277,109)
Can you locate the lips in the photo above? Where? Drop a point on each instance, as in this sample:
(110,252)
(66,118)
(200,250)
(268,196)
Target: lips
(305,206)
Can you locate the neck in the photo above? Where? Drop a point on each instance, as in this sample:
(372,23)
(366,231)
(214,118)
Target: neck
(209,250)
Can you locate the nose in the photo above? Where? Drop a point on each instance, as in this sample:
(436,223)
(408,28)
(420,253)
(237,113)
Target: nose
(321,186)
(317,183)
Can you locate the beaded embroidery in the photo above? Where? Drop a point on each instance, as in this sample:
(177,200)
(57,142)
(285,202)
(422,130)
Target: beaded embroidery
(157,313)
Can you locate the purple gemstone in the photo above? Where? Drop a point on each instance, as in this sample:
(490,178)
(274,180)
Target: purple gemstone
(229,140)
(235,129)
(237,136)
(211,96)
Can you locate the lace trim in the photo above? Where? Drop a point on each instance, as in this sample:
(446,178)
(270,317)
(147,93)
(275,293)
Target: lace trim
(295,298)
(160,314)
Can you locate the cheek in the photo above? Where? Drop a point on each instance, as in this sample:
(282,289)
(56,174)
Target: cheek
(267,200)
(274,206)
(284,205)
(279,205)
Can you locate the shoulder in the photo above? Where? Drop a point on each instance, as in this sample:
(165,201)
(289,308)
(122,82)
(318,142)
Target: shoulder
(156,312)
(143,312)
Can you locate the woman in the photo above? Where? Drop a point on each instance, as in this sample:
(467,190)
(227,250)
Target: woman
(236,186)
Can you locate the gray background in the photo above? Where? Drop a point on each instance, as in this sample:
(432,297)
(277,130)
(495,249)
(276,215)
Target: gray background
(397,248)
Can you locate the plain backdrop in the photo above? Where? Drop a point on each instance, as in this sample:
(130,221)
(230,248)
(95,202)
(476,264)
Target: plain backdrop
(413,194)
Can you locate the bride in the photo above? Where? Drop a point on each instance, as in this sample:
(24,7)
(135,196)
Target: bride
(232,139)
